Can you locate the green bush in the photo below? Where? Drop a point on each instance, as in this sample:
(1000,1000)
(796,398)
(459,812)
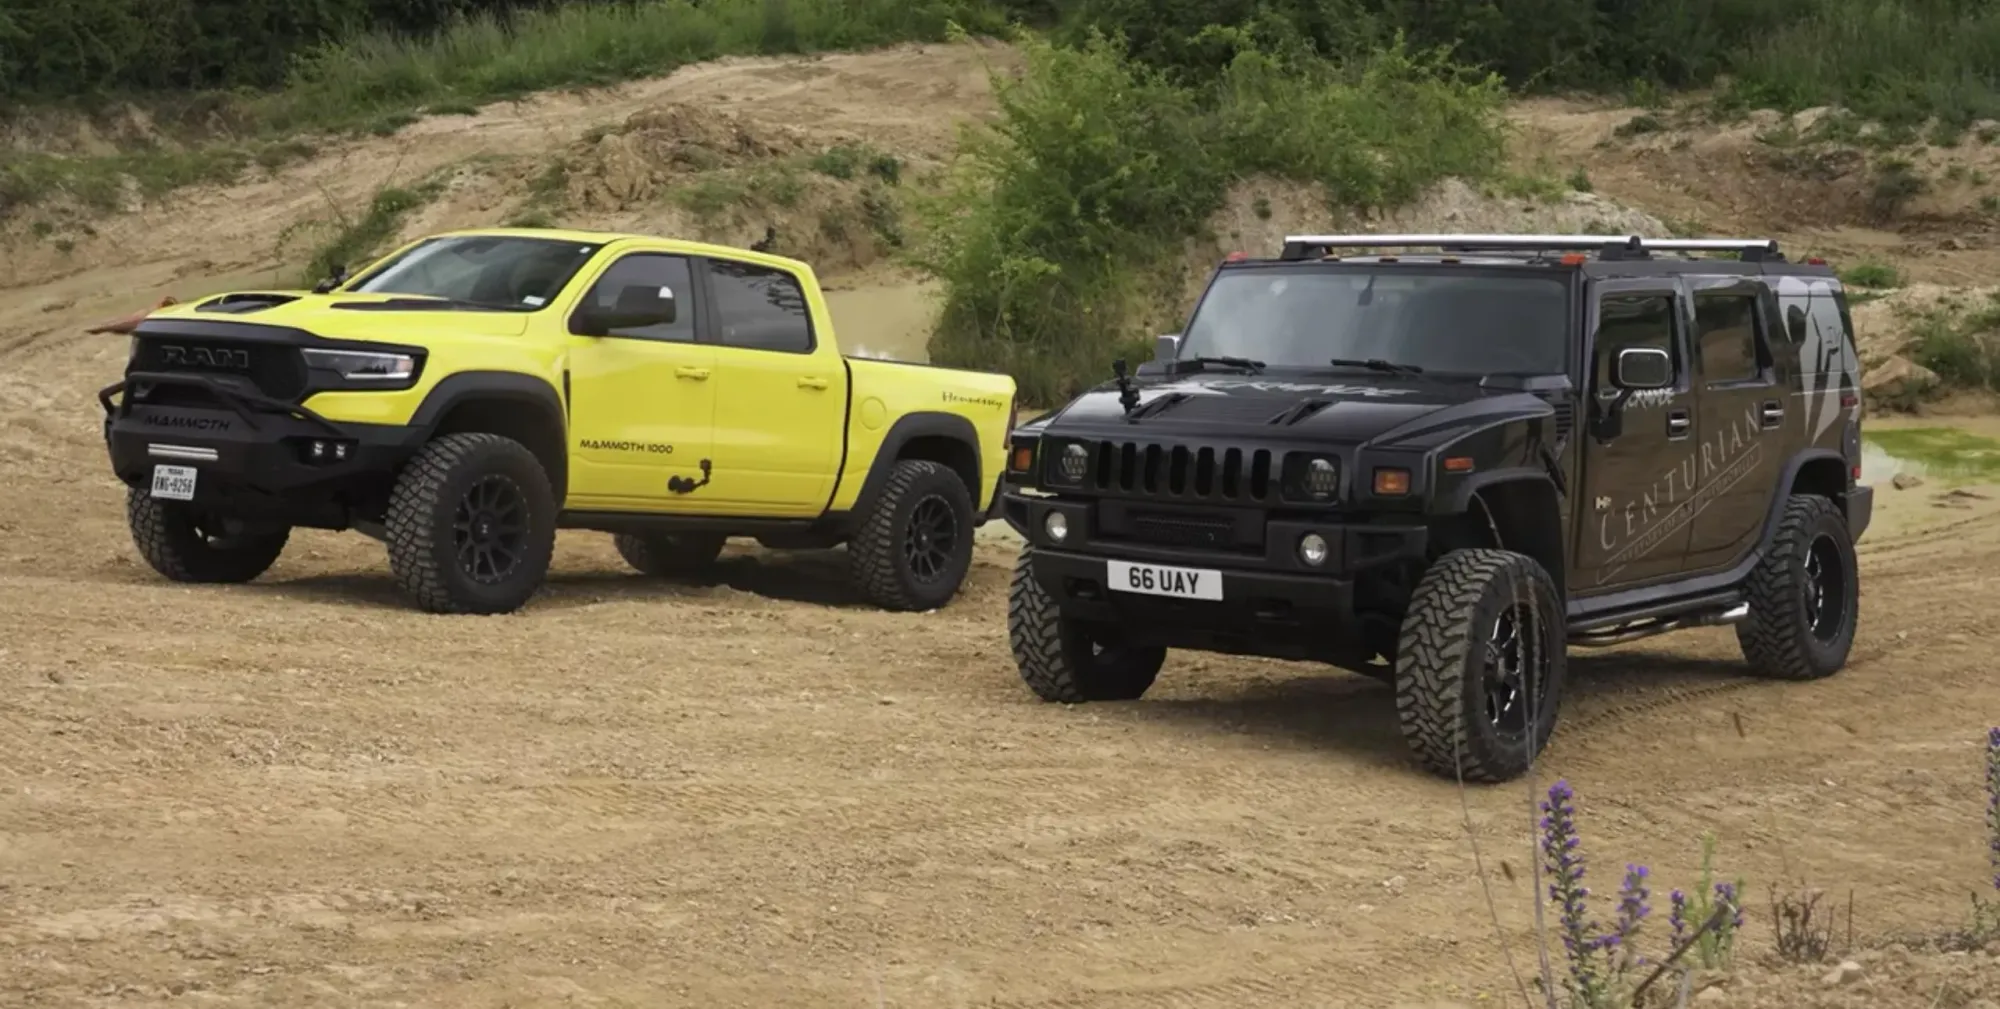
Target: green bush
(1962,347)
(1057,234)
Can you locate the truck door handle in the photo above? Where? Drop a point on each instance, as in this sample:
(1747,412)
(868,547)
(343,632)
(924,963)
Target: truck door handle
(698,374)
(811,382)
(1677,424)
(1773,412)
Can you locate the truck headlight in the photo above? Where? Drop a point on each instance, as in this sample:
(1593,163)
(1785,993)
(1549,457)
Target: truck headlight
(364,366)
(1312,478)
(1070,464)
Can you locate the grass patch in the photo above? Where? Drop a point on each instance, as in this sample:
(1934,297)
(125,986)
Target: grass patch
(379,83)
(1943,452)
(1962,346)
(1056,235)
(1872,274)
(359,238)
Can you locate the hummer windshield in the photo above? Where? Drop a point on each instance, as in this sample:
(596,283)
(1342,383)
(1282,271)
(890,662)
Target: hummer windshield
(504,273)
(1455,321)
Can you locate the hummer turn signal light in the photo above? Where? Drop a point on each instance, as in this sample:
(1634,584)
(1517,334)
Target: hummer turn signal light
(1392,482)
(1024,459)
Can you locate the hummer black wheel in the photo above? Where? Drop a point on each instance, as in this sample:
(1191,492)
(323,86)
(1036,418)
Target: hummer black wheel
(186,546)
(1480,665)
(471,525)
(1804,595)
(676,556)
(915,544)
(1065,660)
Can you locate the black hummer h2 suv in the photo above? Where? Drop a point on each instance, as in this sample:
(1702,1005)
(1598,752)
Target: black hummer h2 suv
(1440,468)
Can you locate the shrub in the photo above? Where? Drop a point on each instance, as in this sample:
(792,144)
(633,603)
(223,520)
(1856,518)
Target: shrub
(1056,234)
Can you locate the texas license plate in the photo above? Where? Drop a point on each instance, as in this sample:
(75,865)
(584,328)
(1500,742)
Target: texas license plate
(1160,580)
(174,483)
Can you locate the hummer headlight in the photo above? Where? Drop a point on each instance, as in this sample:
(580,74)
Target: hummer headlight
(1072,463)
(1313,478)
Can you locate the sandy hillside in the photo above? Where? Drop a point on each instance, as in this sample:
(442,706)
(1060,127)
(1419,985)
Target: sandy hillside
(760,793)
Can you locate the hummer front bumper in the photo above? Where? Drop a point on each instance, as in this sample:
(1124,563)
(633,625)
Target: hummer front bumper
(1273,602)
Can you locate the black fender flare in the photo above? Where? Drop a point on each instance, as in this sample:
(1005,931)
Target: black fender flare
(506,386)
(908,428)
(1461,499)
(1781,490)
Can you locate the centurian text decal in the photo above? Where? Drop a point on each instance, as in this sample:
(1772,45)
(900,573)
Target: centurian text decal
(1636,525)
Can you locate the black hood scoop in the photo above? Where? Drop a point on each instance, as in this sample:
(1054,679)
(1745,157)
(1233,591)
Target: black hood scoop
(1298,411)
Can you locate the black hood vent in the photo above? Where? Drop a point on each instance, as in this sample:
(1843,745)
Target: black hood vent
(242,303)
(1299,411)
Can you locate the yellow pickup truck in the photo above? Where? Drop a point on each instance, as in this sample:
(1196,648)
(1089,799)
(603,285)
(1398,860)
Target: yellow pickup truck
(470,393)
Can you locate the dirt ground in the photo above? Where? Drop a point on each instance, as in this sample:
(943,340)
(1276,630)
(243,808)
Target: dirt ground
(760,792)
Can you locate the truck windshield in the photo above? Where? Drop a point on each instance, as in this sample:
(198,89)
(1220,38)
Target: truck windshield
(1452,321)
(501,273)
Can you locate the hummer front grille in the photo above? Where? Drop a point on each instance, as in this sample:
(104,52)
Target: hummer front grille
(1204,473)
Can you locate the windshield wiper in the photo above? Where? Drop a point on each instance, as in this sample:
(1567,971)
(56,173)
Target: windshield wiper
(1377,364)
(1227,362)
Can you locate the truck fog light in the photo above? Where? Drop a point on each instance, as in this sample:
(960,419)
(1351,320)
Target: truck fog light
(319,450)
(1312,549)
(1056,526)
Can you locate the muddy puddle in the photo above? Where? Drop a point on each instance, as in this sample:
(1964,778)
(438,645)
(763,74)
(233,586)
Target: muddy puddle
(1942,454)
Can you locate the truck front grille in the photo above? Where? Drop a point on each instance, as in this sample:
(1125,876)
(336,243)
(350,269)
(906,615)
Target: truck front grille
(1183,529)
(275,370)
(1204,473)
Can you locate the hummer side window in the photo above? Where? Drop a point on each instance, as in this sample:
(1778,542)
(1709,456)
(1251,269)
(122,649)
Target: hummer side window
(1726,329)
(643,271)
(759,308)
(1640,320)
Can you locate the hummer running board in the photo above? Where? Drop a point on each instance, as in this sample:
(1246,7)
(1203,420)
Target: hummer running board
(1635,630)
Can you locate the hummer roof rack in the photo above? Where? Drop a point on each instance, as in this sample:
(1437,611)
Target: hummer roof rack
(1605,246)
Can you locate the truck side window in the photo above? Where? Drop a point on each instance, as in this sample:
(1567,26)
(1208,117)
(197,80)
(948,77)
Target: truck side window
(1726,329)
(759,308)
(1639,320)
(649,269)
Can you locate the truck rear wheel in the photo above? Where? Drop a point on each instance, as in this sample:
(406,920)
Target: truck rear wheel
(676,556)
(1480,665)
(1804,595)
(471,525)
(915,544)
(1062,659)
(186,546)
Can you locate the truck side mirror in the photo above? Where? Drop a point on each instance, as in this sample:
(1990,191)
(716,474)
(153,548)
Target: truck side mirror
(1641,368)
(638,306)
(1166,346)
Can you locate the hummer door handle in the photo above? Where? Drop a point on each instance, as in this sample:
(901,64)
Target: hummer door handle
(698,374)
(1677,424)
(811,382)
(1773,412)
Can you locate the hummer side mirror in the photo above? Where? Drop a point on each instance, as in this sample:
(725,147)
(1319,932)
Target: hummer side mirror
(1166,346)
(1641,368)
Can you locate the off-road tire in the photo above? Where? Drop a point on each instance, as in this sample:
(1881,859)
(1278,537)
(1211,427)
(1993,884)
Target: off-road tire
(878,563)
(1777,637)
(170,537)
(423,514)
(1059,658)
(1441,694)
(681,555)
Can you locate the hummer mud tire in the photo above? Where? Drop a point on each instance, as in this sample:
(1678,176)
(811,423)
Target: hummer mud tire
(471,525)
(1480,665)
(678,556)
(915,543)
(1062,659)
(184,546)
(1804,595)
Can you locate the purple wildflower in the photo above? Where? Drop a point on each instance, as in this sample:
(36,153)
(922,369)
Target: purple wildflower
(1677,915)
(1993,801)
(1560,853)
(1725,893)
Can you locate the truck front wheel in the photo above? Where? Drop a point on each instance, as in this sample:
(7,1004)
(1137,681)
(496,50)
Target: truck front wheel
(1480,665)
(185,546)
(471,525)
(915,544)
(1064,660)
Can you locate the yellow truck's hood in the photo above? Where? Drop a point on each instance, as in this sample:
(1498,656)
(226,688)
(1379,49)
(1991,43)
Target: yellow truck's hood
(390,318)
